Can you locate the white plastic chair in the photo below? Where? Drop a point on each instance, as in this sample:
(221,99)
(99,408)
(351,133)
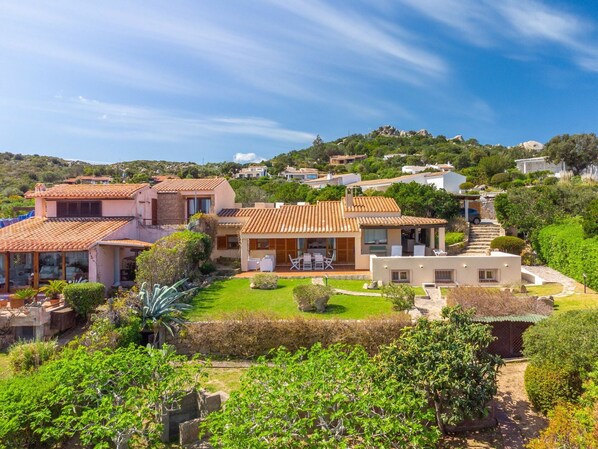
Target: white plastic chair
(319,262)
(328,263)
(294,263)
(419,250)
(307,265)
(396,250)
(439,252)
(253,263)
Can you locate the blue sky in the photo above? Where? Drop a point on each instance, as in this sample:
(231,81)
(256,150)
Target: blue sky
(213,80)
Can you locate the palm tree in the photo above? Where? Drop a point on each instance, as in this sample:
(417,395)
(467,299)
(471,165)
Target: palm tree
(162,308)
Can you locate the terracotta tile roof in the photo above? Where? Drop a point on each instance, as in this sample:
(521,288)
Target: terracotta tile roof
(127,243)
(183,185)
(403,220)
(84,191)
(240,212)
(372,204)
(57,234)
(324,217)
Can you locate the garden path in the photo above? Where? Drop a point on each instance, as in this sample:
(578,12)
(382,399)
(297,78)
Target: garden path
(551,275)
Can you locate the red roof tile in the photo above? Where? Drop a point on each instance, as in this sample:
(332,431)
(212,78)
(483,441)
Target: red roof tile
(185,185)
(84,191)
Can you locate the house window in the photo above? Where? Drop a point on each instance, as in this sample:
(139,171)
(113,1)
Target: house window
(375,236)
(263,244)
(227,242)
(195,205)
(78,209)
(50,267)
(444,276)
(400,276)
(488,275)
(76,266)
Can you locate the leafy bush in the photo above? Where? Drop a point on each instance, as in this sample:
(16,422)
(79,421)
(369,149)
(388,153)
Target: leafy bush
(177,256)
(105,334)
(466,185)
(590,219)
(508,244)
(107,397)
(548,384)
(207,267)
(500,178)
(448,361)
(249,335)
(550,181)
(25,356)
(83,298)
(264,281)
(312,298)
(494,302)
(27,293)
(401,296)
(424,200)
(564,248)
(518,183)
(452,238)
(322,398)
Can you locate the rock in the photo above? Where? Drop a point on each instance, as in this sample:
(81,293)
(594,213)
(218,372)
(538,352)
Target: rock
(548,300)
(532,145)
(189,431)
(415,314)
(523,288)
(252,285)
(457,138)
(424,132)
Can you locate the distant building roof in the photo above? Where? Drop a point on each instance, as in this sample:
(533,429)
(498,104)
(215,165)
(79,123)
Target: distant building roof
(58,234)
(86,191)
(403,220)
(88,178)
(188,185)
(372,204)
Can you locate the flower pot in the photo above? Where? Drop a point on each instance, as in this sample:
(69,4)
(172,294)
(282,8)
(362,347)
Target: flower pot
(54,302)
(16,303)
(3,303)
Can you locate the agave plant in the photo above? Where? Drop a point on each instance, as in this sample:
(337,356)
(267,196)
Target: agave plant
(162,308)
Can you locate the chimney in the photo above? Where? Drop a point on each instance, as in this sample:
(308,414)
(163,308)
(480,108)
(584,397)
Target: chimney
(329,176)
(40,187)
(349,198)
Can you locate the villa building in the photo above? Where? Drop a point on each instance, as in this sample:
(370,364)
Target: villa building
(330,179)
(252,172)
(346,159)
(447,180)
(300,174)
(89,180)
(535,164)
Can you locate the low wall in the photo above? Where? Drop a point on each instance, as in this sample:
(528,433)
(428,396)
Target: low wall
(465,268)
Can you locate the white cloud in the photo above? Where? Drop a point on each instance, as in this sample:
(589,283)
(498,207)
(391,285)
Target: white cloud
(245,158)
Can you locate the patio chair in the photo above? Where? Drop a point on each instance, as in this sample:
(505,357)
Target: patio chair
(396,250)
(439,252)
(294,263)
(253,263)
(419,250)
(307,265)
(328,263)
(319,262)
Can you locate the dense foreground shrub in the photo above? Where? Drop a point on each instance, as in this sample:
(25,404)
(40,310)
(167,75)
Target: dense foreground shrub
(452,238)
(251,335)
(508,244)
(105,398)
(84,297)
(326,398)
(401,296)
(312,298)
(495,302)
(177,256)
(264,281)
(565,248)
(548,384)
(570,426)
(25,356)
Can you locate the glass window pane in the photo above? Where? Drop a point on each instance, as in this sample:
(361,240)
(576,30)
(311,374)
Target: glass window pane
(2,272)
(21,269)
(50,267)
(77,266)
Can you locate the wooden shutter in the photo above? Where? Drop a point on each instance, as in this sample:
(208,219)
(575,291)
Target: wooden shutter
(252,244)
(221,242)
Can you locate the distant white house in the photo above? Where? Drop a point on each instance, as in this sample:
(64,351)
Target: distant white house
(390,156)
(534,164)
(333,180)
(253,171)
(413,169)
(299,174)
(449,181)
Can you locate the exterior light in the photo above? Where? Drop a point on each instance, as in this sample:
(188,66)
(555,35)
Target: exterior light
(506,265)
(464,265)
(386,267)
(421,266)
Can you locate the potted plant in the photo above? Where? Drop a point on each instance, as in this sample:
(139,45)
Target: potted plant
(53,291)
(22,297)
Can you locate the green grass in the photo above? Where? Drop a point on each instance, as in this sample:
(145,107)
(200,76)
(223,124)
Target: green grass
(577,301)
(545,290)
(452,238)
(223,379)
(353,285)
(225,297)
(5,370)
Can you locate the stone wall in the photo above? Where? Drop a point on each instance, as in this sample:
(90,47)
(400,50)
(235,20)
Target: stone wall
(171,209)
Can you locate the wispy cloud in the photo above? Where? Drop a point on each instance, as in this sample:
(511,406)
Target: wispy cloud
(245,158)
(129,122)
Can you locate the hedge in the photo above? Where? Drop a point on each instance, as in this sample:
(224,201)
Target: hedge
(83,298)
(508,244)
(547,385)
(249,335)
(312,298)
(564,248)
(452,238)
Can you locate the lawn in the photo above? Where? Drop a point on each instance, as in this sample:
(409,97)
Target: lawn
(223,379)
(545,290)
(576,301)
(233,295)
(353,285)
(5,370)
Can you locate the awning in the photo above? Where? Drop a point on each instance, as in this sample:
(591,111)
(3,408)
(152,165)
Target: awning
(126,243)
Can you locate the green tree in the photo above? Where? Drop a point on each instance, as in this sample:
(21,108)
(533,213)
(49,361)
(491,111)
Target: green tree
(577,151)
(447,361)
(590,219)
(325,398)
(423,200)
(492,165)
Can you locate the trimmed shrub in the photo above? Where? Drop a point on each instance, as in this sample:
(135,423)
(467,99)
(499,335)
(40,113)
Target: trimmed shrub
(85,297)
(207,267)
(401,296)
(518,183)
(508,244)
(25,356)
(312,298)
(590,219)
(548,384)
(500,178)
(564,248)
(264,281)
(466,185)
(174,257)
(452,238)
(249,335)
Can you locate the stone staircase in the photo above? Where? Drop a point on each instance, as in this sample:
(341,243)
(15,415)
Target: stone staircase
(480,237)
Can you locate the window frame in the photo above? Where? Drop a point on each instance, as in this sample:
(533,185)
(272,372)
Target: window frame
(484,271)
(375,241)
(451,281)
(231,245)
(407,280)
(74,209)
(262,243)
